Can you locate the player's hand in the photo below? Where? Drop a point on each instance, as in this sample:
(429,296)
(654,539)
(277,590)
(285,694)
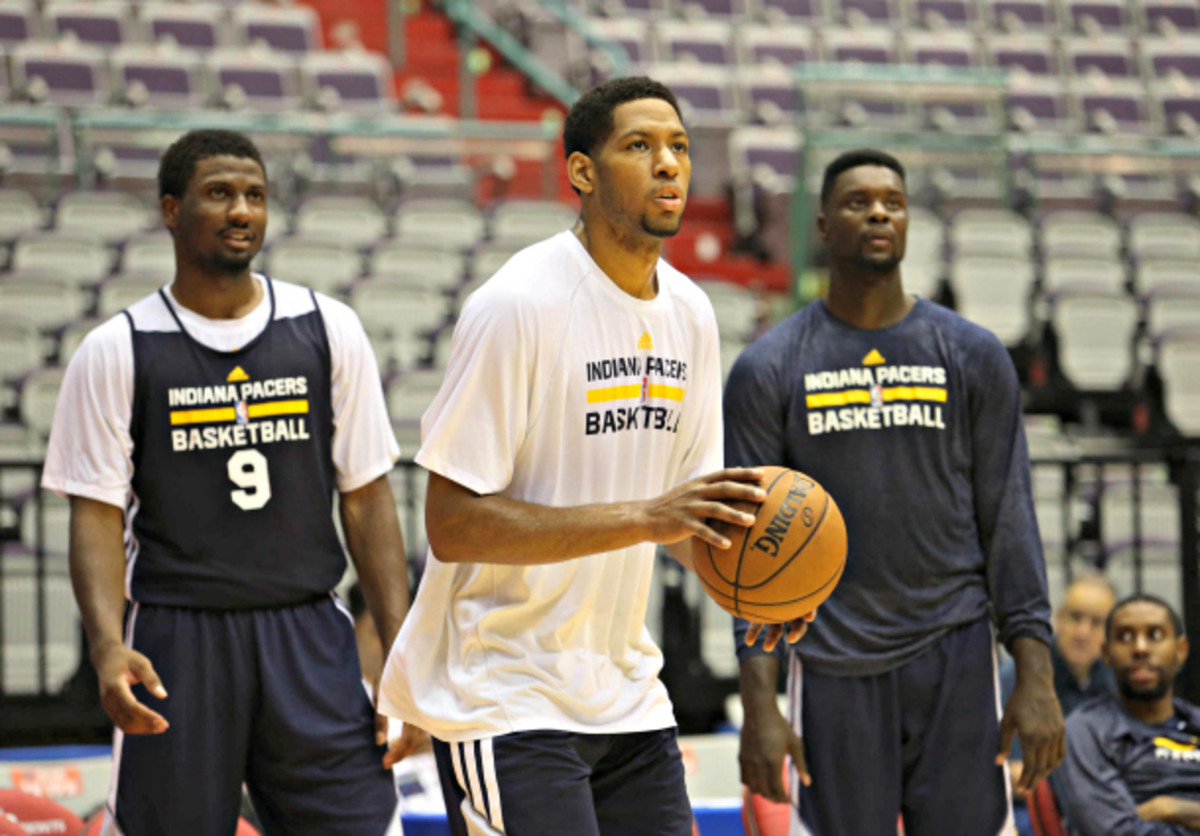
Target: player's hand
(1034,713)
(412,739)
(118,669)
(766,738)
(684,511)
(795,628)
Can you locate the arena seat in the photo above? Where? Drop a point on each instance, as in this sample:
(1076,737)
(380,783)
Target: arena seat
(402,310)
(63,73)
(43,297)
(192,26)
(414,266)
(1164,235)
(78,259)
(1172,308)
(108,216)
(1043,811)
(994,292)
(1173,274)
(528,221)
(19,214)
(20,346)
(99,24)
(1177,358)
(1105,275)
(446,224)
(325,266)
(1095,338)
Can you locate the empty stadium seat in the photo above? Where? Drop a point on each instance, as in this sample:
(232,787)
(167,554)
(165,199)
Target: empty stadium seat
(994,291)
(1083,273)
(44,298)
(72,335)
(1164,235)
(150,252)
(447,224)
(294,29)
(780,45)
(81,259)
(158,77)
(119,292)
(1177,358)
(254,79)
(529,221)
(99,24)
(400,309)
(351,82)
(108,216)
(18,442)
(20,345)
(19,22)
(192,26)
(1168,17)
(999,232)
(410,394)
(1095,338)
(1170,307)
(1080,233)
(1158,274)
(19,214)
(350,221)
(39,394)
(701,42)
(322,265)
(416,266)
(61,73)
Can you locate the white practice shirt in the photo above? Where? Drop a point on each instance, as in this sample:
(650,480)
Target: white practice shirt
(562,390)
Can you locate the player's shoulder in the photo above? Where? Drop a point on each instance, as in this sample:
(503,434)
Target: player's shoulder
(538,277)
(958,329)
(688,296)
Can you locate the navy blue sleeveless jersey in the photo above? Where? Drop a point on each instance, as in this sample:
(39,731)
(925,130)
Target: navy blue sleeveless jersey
(233,469)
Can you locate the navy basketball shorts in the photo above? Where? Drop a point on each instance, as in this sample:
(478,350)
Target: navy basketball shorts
(919,741)
(550,783)
(271,697)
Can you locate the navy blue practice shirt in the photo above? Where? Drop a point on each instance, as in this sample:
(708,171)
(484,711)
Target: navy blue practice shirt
(916,431)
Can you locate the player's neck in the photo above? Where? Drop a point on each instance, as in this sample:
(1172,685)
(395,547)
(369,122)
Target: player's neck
(630,264)
(1152,712)
(868,302)
(228,296)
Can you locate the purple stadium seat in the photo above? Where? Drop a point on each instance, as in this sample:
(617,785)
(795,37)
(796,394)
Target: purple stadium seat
(361,82)
(861,46)
(1032,54)
(1114,107)
(782,45)
(1179,106)
(59,73)
(859,13)
(294,29)
(1166,57)
(18,23)
(99,24)
(946,49)
(769,94)
(703,92)
(1021,15)
(1108,56)
(701,42)
(637,8)
(1040,106)
(792,11)
(631,34)
(157,77)
(716,9)
(1094,16)
(199,27)
(262,79)
(945,14)
(1170,16)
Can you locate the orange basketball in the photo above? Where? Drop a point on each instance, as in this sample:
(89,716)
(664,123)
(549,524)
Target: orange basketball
(784,565)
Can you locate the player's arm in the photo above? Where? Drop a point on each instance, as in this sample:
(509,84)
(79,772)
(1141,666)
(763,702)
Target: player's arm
(468,527)
(97,563)
(1171,810)
(1014,563)
(766,737)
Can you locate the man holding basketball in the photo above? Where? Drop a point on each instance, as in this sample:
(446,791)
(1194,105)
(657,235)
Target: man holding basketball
(910,417)
(579,424)
(201,435)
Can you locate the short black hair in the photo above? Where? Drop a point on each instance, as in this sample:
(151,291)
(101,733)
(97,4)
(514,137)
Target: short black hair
(590,120)
(1143,598)
(853,159)
(178,163)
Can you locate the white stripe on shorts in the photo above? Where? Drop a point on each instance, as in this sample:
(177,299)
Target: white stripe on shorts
(1010,825)
(491,785)
(118,741)
(471,768)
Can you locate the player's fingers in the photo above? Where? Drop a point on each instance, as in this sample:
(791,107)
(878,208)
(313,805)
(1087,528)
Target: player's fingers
(1007,728)
(129,715)
(752,633)
(773,634)
(796,750)
(399,750)
(381,729)
(717,541)
(143,672)
(776,789)
(1035,764)
(753,475)
(810,617)
(721,511)
(796,630)
(734,491)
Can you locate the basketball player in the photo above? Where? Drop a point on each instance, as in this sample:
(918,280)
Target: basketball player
(200,435)
(910,416)
(578,425)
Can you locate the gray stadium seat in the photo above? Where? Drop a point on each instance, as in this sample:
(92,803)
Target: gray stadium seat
(20,345)
(1170,308)
(991,232)
(402,310)
(1178,357)
(154,251)
(1152,275)
(349,221)
(1095,338)
(529,221)
(415,266)
(39,394)
(1080,233)
(1060,273)
(994,292)
(19,214)
(119,292)
(44,298)
(79,259)
(1165,235)
(324,266)
(445,224)
(108,216)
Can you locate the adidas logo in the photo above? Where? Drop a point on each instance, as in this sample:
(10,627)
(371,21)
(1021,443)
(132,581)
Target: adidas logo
(645,341)
(873,359)
(237,375)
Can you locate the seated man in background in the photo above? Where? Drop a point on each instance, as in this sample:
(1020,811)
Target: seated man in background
(1133,761)
(1079,672)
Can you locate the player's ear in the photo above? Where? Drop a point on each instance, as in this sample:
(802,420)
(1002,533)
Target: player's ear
(170,210)
(581,171)
(1181,649)
(823,227)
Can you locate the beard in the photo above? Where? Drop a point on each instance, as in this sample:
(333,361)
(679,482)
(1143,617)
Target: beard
(1141,693)
(881,265)
(665,229)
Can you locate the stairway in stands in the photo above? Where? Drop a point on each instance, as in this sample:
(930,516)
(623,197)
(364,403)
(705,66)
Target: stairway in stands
(431,58)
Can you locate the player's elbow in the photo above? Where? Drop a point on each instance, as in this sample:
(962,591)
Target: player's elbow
(446,507)
(442,541)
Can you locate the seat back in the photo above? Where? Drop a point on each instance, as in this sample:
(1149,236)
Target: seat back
(1043,811)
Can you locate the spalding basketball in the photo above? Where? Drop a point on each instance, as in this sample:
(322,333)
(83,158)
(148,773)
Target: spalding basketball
(39,815)
(784,565)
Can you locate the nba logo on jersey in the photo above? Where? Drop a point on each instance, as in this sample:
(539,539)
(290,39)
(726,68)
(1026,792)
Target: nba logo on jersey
(645,388)
(877,396)
(241,412)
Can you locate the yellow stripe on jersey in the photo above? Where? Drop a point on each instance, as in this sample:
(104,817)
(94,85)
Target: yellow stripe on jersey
(265,410)
(634,391)
(891,393)
(228,413)
(1173,745)
(203,416)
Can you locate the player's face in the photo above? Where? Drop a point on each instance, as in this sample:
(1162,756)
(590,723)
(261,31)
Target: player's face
(1079,623)
(1144,652)
(643,169)
(221,219)
(865,220)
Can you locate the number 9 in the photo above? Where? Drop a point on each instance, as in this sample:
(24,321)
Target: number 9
(248,469)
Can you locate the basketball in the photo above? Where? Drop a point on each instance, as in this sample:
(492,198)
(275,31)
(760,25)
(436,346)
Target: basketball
(38,815)
(784,565)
